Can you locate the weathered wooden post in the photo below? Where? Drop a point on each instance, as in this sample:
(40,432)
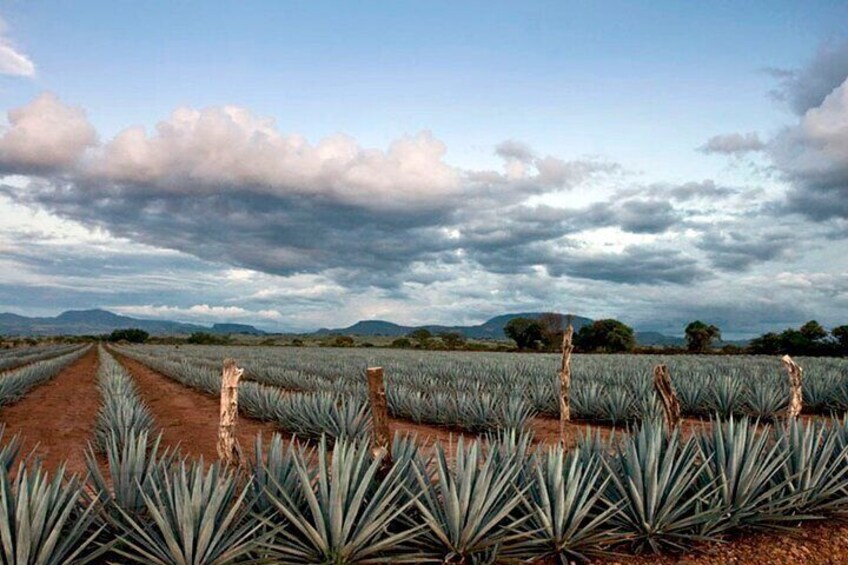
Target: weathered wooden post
(228,448)
(671,406)
(795,375)
(565,380)
(382,439)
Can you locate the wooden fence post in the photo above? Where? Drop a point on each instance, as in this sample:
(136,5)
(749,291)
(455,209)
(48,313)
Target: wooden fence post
(382,439)
(795,375)
(671,406)
(565,380)
(228,449)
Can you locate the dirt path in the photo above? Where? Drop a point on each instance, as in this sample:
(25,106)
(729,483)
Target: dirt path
(188,417)
(57,418)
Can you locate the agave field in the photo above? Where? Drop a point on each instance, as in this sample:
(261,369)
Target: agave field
(496,497)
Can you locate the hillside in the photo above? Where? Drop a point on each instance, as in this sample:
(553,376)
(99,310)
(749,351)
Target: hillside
(95,322)
(491,329)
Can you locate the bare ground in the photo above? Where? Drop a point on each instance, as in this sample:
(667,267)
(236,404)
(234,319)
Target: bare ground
(56,419)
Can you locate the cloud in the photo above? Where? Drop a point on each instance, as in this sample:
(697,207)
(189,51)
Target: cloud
(806,88)
(733,144)
(12,60)
(44,136)
(198,312)
(813,156)
(737,251)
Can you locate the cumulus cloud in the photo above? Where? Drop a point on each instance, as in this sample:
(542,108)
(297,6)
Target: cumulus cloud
(807,87)
(733,144)
(12,60)
(813,155)
(44,136)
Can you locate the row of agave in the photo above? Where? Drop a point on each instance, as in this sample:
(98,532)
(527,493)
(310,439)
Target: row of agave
(307,415)
(346,413)
(605,388)
(491,501)
(122,413)
(16,383)
(17,357)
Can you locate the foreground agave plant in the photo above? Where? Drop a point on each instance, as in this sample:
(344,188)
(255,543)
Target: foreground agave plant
(744,466)
(469,507)
(196,517)
(570,514)
(134,467)
(653,481)
(816,467)
(340,512)
(44,520)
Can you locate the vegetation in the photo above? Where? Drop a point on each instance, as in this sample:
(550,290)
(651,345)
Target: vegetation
(607,336)
(700,336)
(810,339)
(526,332)
(131,335)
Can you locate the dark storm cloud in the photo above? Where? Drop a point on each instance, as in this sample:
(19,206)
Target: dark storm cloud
(806,88)
(736,251)
(638,265)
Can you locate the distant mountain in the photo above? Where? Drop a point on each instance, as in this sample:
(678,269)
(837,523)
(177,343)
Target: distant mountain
(491,329)
(94,322)
(647,339)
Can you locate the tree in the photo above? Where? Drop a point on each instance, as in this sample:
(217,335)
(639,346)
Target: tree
(766,344)
(402,343)
(421,335)
(452,340)
(699,336)
(609,336)
(813,331)
(132,335)
(343,341)
(203,338)
(526,332)
(840,333)
(553,325)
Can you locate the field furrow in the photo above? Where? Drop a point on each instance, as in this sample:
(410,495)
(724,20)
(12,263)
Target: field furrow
(56,419)
(187,417)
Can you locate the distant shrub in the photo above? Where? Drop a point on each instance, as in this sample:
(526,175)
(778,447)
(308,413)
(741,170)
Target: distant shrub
(402,343)
(132,335)
(203,338)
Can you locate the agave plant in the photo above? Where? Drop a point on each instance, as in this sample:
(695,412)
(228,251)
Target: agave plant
(569,511)
(195,517)
(816,467)
(469,507)
(745,466)
(135,466)
(45,520)
(765,402)
(340,512)
(653,482)
(8,450)
(727,396)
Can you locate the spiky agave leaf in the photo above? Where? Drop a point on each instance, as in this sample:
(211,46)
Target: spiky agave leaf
(341,512)
(653,481)
(135,465)
(45,520)
(469,507)
(570,513)
(744,467)
(275,469)
(9,449)
(816,467)
(195,517)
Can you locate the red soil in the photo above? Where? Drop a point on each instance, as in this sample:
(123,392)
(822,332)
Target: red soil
(187,417)
(56,419)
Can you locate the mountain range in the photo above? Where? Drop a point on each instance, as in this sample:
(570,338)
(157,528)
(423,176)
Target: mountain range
(96,322)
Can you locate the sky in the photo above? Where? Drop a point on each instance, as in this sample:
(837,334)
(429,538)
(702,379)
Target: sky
(298,165)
